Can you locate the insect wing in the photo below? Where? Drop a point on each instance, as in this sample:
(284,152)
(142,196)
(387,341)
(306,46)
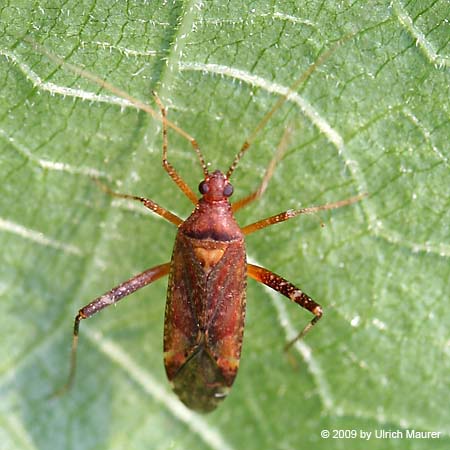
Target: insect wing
(204,320)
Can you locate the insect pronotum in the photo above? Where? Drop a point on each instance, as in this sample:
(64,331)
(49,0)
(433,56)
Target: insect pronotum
(205,309)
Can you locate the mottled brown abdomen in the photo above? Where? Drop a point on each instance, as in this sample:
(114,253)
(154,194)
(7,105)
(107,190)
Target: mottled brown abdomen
(204,319)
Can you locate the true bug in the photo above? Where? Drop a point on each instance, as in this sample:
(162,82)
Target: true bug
(205,309)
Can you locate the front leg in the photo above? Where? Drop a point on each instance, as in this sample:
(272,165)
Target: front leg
(283,286)
(109,298)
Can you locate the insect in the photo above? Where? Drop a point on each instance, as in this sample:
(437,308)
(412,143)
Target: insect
(206,296)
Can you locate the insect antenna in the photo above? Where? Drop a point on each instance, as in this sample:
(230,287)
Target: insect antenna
(302,79)
(133,101)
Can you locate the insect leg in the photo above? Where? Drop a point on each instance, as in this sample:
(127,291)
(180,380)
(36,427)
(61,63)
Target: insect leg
(150,204)
(290,291)
(109,298)
(290,213)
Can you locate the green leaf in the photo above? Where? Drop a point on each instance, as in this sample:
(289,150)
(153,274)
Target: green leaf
(374,117)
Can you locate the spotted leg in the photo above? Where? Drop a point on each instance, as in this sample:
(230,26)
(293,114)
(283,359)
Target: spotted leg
(109,298)
(286,288)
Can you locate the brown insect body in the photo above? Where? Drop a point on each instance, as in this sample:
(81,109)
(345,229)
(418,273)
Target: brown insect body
(205,308)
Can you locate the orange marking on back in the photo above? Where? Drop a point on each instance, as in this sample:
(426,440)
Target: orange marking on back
(208,257)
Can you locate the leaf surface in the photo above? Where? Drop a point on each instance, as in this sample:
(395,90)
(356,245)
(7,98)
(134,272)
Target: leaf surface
(374,117)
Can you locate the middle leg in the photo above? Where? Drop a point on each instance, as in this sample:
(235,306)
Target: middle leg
(150,204)
(291,213)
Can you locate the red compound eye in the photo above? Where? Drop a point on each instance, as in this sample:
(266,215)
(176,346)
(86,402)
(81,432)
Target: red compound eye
(203,187)
(228,190)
